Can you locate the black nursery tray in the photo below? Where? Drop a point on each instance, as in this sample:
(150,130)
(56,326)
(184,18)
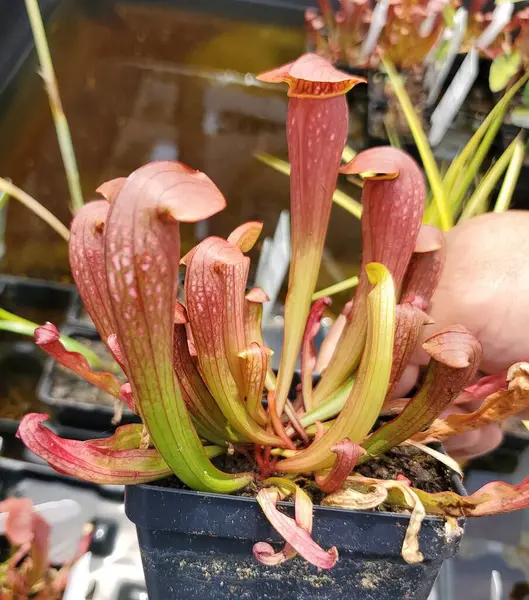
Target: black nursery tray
(21,368)
(77,317)
(37,300)
(21,362)
(42,484)
(73,401)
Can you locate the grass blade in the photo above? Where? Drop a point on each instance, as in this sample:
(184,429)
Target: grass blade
(511,177)
(430,166)
(8,188)
(487,184)
(336,288)
(471,158)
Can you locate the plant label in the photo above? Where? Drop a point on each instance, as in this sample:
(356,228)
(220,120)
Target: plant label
(501,17)
(440,69)
(433,9)
(454,97)
(378,20)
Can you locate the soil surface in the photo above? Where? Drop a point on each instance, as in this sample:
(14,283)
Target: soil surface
(18,387)
(69,387)
(425,472)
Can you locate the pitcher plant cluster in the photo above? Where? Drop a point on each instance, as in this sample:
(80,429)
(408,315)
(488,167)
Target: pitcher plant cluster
(198,373)
(26,572)
(407,32)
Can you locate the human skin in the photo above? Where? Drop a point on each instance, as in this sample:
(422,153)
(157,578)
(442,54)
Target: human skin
(485,287)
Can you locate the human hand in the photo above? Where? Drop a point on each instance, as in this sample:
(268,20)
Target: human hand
(485,287)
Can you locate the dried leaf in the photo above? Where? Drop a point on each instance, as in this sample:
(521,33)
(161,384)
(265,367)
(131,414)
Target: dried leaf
(493,498)
(497,407)
(357,496)
(443,458)
(410,547)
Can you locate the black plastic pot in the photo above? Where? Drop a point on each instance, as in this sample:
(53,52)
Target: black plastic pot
(21,362)
(76,413)
(196,545)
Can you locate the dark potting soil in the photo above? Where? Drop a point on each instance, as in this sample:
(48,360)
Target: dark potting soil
(19,377)
(425,472)
(71,388)
(17,396)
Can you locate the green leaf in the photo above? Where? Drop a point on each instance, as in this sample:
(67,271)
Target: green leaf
(511,177)
(464,168)
(336,288)
(427,157)
(487,184)
(448,14)
(502,69)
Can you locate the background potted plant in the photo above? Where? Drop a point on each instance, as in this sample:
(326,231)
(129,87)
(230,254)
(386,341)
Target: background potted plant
(25,569)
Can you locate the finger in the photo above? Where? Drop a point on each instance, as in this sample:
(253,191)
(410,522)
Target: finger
(407,382)
(474,443)
(483,281)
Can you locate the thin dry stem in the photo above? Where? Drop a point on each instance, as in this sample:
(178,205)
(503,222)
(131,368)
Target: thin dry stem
(59,118)
(35,207)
